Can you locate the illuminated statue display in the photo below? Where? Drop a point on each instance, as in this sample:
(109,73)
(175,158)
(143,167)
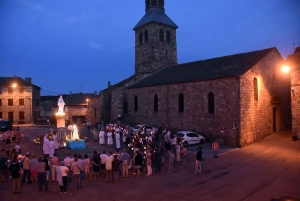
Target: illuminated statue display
(61,105)
(74,134)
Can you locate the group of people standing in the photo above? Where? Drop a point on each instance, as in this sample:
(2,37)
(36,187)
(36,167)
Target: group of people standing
(50,144)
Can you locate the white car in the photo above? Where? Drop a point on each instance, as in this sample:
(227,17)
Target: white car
(148,128)
(189,137)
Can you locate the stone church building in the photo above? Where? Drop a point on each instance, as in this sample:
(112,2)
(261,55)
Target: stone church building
(235,100)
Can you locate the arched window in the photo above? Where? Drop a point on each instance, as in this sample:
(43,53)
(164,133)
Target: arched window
(255,89)
(161,3)
(146,36)
(135,103)
(161,35)
(168,36)
(154,2)
(141,38)
(181,102)
(155,103)
(211,103)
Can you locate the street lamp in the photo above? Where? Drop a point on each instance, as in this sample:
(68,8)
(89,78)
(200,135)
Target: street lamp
(14,85)
(285,69)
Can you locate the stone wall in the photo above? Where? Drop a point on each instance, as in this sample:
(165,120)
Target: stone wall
(295,96)
(153,55)
(257,119)
(195,116)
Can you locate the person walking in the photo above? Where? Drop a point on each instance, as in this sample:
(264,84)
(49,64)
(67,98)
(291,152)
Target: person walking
(54,164)
(125,159)
(171,161)
(116,168)
(118,144)
(34,169)
(76,167)
(42,179)
(198,160)
(16,176)
(47,169)
(109,139)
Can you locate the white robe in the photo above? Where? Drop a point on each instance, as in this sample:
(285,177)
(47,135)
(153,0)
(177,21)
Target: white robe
(101,137)
(118,146)
(51,148)
(124,135)
(109,138)
(54,138)
(46,146)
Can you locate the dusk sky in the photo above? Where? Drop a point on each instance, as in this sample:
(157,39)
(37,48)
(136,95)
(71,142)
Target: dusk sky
(66,45)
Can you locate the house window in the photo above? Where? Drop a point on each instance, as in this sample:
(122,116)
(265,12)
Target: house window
(0,90)
(155,103)
(125,109)
(141,38)
(0,115)
(0,103)
(211,103)
(255,90)
(21,90)
(135,103)
(181,103)
(10,115)
(161,35)
(10,90)
(21,101)
(146,36)
(10,102)
(21,115)
(168,36)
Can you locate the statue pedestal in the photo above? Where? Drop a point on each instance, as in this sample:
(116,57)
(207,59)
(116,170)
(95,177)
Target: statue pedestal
(60,120)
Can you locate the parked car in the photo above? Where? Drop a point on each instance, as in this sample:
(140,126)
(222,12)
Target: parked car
(148,128)
(5,125)
(189,137)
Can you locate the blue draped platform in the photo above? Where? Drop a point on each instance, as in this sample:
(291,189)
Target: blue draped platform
(77,144)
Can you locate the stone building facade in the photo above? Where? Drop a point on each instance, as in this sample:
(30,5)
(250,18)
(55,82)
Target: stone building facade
(293,61)
(235,100)
(19,100)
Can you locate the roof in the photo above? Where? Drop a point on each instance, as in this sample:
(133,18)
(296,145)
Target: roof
(215,68)
(8,81)
(74,99)
(155,15)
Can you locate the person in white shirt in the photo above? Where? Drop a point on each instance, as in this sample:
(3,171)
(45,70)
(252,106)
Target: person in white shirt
(54,138)
(103,156)
(46,148)
(18,148)
(101,137)
(118,144)
(109,139)
(108,167)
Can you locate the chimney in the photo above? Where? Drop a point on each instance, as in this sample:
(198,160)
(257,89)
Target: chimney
(28,79)
(108,84)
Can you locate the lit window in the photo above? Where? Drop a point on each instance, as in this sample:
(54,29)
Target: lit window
(255,90)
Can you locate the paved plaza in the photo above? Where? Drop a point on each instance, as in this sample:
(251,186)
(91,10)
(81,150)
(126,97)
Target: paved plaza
(261,171)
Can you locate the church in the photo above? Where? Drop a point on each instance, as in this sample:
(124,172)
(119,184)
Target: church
(235,100)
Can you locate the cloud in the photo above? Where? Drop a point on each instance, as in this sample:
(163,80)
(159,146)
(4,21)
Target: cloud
(94,45)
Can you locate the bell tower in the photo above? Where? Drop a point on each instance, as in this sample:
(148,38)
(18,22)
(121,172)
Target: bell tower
(155,39)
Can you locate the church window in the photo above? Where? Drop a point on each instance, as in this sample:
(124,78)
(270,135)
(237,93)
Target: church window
(168,36)
(181,103)
(146,36)
(147,4)
(155,103)
(141,38)
(255,89)
(154,2)
(161,35)
(211,103)
(136,103)
(161,3)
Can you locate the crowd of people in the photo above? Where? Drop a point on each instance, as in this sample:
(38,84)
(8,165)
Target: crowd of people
(141,150)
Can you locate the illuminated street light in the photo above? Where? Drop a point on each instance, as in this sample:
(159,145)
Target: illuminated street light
(285,69)
(14,85)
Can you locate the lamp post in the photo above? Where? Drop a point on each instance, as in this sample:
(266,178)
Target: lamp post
(87,103)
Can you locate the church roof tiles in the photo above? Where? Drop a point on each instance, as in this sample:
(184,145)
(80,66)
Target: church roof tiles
(215,68)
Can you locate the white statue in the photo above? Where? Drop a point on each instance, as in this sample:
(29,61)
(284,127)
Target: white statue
(75,135)
(61,105)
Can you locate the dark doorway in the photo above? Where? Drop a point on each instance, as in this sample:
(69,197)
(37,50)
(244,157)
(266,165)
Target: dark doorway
(274,119)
